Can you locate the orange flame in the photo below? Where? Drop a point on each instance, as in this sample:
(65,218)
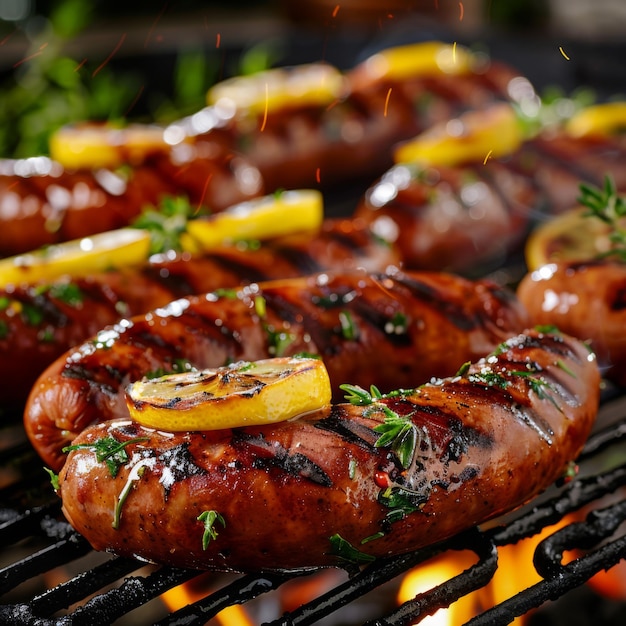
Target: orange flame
(187,593)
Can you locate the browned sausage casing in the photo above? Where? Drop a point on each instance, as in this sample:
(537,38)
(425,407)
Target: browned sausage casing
(586,300)
(393,330)
(39,322)
(289,494)
(474,215)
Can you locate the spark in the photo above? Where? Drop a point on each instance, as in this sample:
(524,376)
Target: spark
(154,24)
(487,157)
(461,11)
(218,39)
(267,96)
(119,45)
(134,102)
(204,192)
(80,65)
(335,10)
(318,175)
(563,52)
(31,56)
(387,101)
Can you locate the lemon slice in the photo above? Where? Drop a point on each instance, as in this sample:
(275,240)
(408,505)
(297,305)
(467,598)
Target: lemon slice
(95,146)
(79,257)
(599,120)
(269,216)
(474,136)
(271,90)
(570,236)
(241,394)
(429,58)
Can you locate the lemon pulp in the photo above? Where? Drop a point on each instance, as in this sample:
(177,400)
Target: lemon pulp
(245,393)
(570,236)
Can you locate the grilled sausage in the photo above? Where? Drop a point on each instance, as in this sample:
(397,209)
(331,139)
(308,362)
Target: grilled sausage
(38,323)
(319,491)
(474,216)
(392,330)
(42,203)
(586,300)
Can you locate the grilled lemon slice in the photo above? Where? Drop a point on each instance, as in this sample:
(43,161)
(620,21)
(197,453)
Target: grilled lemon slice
(245,393)
(80,257)
(604,119)
(91,145)
(474,136)
(269,216)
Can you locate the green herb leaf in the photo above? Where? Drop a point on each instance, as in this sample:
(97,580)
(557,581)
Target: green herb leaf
(400,434)
(347,552)
(358,396)
(209,518)
(108,450)
(606,205)
(54,478)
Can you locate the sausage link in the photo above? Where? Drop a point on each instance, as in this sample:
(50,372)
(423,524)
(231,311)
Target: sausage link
(586,300)
(318,490)
(38,323)
(392,329)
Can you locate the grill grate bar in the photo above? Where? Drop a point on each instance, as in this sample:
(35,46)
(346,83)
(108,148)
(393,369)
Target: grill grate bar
(441,596)
(82,585)
(238,592)
(571,576)
(359,584)
(104,609)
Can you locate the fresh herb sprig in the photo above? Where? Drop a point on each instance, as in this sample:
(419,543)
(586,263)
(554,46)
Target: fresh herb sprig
(167,223)
(608,206)
(108,450)
(397,432)
(209,519)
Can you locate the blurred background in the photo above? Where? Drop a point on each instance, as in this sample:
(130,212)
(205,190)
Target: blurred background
(63,61)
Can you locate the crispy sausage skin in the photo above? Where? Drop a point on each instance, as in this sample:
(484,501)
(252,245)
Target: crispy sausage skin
(299,493)
(586,300)
(39,322)
(390,329)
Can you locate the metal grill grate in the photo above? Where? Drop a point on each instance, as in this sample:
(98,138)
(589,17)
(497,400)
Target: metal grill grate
(106,591)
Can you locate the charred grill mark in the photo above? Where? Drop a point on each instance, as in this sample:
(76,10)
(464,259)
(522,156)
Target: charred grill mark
(617,301)
(178,285)
(299,259)
(424,292)
(349,430)
(178,464)
(534,421)
(266,455)
(242,266)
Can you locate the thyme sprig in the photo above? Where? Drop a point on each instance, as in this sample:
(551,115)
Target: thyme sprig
(397,432)
(608,206)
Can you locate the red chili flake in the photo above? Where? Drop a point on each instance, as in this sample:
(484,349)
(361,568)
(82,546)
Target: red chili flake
(382,479)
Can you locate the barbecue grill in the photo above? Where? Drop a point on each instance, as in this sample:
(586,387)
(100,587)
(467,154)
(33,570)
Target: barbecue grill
(49,575)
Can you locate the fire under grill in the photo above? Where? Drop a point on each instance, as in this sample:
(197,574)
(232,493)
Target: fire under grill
(50,575)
